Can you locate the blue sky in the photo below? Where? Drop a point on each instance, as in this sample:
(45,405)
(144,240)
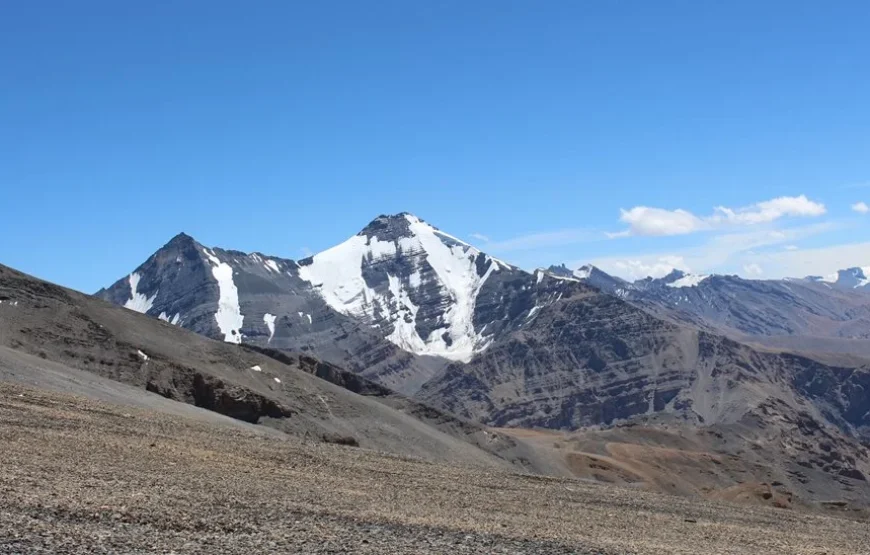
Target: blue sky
(537,131)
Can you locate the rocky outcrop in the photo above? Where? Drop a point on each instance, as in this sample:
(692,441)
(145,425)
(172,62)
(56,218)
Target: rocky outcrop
(214,394)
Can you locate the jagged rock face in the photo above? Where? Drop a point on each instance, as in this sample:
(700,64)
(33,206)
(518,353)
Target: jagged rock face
(426,291)
(172,285)
(592,360)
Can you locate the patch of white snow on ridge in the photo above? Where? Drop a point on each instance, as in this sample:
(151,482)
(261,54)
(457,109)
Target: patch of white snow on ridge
(689,280)
(272,265)
(303,315)
(337,274)
(269,320)
(457,272)
(142,355)
(539,274)
(174,320)
(404,332)
(583,272)
(229,315)
(256,368)
(138,301)
(415,279)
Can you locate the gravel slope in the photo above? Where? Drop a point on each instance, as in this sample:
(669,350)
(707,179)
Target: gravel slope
(85,476)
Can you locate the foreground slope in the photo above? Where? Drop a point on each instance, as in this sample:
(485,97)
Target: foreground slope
(80,476)
(44,323)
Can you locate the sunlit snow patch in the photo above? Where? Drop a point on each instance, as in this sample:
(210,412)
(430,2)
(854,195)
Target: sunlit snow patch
(690,280)
(256,368)
(272,265)
(142,355)
(228,316)
(269,319)
(583,272)
(138,301)
(174,320)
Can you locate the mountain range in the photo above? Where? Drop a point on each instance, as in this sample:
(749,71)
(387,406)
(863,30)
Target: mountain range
(808,314)
(420,312)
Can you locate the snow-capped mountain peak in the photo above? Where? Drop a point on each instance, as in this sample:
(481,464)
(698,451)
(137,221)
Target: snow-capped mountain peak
(850,278)
(404,273)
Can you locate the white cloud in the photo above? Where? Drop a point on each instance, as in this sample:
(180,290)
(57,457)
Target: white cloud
(791,247)
(752,270)
(814,262)
(639,268)
(861,207)
(726,253)
(769,210)
(480,237)
(645,220)
(547,239)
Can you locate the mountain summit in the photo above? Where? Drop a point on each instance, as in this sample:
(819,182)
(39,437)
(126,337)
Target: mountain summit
(415,282)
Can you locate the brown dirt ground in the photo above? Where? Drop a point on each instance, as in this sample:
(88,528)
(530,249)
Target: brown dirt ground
(81,476)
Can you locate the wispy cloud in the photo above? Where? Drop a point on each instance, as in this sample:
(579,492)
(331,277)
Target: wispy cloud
(650,221)
(752,270)
(861,207)
(639,268)
(546,239)
(306,252)
(817,261)
(723,253)
(480,237)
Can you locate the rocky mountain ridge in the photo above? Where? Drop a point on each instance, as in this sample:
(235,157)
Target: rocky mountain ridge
(395,303)
(750,308)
